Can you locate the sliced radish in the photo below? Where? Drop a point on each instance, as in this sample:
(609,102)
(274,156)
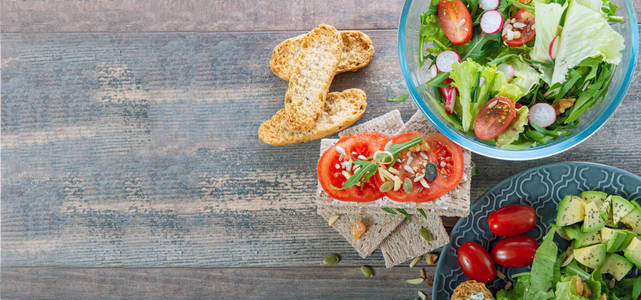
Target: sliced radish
(553,50)
(451,100)
(446,59)
(491,21)
(507,70)
(489,4)
(542,114)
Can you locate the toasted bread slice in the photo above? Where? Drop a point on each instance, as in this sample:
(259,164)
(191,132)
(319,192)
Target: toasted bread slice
(358,51)
(342,109)
(315,66)
(405,243)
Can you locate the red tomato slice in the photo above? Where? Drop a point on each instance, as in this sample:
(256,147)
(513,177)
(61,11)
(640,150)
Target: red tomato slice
(476,263)
(515,251)
(519,29)
(494,117)
(455,20)
(445,154)
(512,220)
(332,164)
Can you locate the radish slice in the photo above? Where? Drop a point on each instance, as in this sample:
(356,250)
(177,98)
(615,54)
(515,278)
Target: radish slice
(451,100)
(507,70)
(489,4)
(553,50)
(491,21)
(446,59)
(542,114)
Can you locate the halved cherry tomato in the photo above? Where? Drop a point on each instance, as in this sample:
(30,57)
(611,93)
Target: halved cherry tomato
(455,20)
(494,117)
(513,219)
(443,153)
(332,164)
(515,251)
(476,263)
(519,29)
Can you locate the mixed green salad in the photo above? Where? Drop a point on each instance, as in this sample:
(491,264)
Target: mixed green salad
(600,256)
(518,73)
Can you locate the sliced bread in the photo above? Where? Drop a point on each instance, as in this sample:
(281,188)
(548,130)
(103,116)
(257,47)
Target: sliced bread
(357,53)
(342,109)
(315,66)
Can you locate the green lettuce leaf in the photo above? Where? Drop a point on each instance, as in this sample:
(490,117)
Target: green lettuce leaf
(566,289)
(512,132)
(525,77)
(547,19)
(467,76)
(586,33)
(431,31)
(543,268)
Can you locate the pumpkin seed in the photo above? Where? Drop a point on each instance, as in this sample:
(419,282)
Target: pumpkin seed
(386,187)
(331,260)
(430,171)
(367,271)
(426,235)
(407,185)
(415,261)
(422,295)
(415,280)
(332,220)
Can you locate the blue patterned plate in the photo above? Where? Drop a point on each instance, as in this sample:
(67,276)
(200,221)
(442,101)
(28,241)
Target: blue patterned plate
(542,188)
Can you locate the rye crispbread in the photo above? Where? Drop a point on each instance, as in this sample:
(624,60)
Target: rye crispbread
(314,69)
(342,109)
(357,52)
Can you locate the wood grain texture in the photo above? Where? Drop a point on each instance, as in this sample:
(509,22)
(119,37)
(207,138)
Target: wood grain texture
(140,150)
(219,283)
(194,15)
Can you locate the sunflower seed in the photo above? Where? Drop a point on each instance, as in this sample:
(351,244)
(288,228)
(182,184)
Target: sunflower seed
(415,261)
(332,220)
(415,280)
(422,295)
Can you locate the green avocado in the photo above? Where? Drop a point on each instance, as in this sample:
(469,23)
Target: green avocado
(616,265)
(620,208)
(633,220)
(571,210)
(593,221)
(594,196)
(591,256)
(633,252)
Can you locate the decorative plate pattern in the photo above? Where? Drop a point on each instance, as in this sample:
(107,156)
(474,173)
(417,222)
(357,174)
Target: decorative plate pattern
(542,188)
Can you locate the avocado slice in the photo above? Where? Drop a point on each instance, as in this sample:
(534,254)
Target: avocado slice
(594,196)
(618,239)
(591,256)
(606,211)
(633,252)
(571,210)
(633,220)
(616,265)
(592,221)
(620,208)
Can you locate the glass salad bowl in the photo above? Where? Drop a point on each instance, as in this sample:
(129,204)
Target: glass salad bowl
(590,121)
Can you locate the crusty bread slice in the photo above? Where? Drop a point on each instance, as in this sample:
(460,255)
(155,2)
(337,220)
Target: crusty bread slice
(405,243)
(358,51)
(378,228)
(315,66)
(342,109)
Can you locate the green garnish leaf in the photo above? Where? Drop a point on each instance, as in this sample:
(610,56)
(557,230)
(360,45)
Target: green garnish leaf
(430,171)
(475,171)
(388,210)
(407,215)
(422,212)
(400,98)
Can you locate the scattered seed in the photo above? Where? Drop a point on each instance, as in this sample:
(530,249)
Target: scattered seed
(508,285)
(423,273)
(500,274)
(415,261)
(367,271)
(332,220)
(386,187)
(407,185)
(430,171)
(429,281)
(426,235)
(331,260)
(422,295)
(415,280)
(431,258)
(612,282)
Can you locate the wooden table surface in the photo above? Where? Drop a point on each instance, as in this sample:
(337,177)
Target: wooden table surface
(131,167)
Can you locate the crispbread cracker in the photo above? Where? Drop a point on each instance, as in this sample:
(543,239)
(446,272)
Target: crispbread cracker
(405,243)
(389,123)
(455,203)
(315,66)
(341,110)
(357,52)
(378,227)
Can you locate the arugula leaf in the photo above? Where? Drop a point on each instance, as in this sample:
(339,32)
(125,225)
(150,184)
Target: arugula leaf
(431,31)
(407,215)
(481,46)
(400,98)
(422,212)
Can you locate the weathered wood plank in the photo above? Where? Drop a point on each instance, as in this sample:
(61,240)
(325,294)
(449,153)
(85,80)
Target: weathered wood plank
(222,283)
(141,150)
(195,15)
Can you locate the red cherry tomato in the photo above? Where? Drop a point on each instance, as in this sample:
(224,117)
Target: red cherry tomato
(513,219)
(455,20)
(514,35)
(515,251)
(476,262)
(494,117)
